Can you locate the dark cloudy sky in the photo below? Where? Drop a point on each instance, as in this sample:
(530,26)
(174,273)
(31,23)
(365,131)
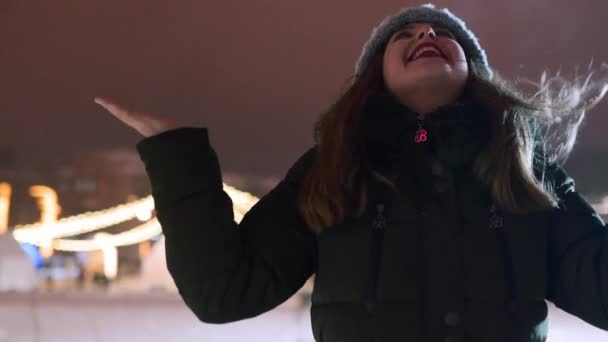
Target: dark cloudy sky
(256,72)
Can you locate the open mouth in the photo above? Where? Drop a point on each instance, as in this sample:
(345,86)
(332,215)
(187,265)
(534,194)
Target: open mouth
(426,50)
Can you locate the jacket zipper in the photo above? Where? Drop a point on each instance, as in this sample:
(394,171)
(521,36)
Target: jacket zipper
(376,241)
(497,222)
(421,134)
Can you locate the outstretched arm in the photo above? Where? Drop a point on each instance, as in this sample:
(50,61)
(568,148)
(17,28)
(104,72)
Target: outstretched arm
(225,271)
(578,256)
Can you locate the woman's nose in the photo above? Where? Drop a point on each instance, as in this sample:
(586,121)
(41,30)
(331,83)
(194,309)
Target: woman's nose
(426,31)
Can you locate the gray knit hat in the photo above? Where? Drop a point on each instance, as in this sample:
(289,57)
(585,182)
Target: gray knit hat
(429,14)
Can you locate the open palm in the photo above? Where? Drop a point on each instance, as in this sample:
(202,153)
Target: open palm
(146,124)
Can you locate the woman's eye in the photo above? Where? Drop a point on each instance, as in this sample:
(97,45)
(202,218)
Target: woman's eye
(402,34)
(444,32)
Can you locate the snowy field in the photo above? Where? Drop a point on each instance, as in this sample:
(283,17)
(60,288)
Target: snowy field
(101,317)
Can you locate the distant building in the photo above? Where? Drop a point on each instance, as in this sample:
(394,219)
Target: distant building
(101,179)
(90,182)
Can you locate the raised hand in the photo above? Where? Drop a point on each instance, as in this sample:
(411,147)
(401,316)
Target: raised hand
(146,124)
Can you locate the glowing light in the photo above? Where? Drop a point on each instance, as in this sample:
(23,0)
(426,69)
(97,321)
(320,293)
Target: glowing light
(45,235)
(143,215)
(110,254)
(144,249)
(134,236)
(47,203)
(83,223)
(5,204)
(242,201)
(46,248)
(93,221)
(49,213)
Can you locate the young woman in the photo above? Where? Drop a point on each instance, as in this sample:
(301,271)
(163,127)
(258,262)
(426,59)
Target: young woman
(431,208)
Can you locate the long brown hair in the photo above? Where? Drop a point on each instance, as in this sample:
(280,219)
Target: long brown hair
(548,121)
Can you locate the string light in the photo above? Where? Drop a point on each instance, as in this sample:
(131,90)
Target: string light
(83,223)
(110,254)
(40,234)
(48,203)
(5,203)
(49,233)
(143,215)
(242,201)
(92,221)
(144,232)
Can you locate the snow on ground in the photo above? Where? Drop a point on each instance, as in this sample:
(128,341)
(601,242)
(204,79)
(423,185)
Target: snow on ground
(156,317)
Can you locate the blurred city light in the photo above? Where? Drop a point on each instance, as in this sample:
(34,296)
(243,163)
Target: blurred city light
(5,203)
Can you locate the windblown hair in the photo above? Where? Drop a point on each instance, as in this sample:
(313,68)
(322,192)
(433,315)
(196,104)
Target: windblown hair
(527,133)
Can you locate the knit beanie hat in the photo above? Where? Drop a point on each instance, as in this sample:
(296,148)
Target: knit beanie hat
(428,14)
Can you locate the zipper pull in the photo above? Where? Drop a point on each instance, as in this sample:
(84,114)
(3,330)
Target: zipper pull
(421,134)
(380,220)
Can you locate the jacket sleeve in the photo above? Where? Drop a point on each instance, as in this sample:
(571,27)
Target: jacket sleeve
(577,255)
(225,271)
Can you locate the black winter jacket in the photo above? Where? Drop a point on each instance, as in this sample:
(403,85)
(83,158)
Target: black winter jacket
(431,261)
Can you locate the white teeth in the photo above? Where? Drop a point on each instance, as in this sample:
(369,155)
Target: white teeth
(425,49)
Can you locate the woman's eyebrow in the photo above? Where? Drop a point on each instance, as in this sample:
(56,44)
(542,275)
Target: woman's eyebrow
(405,28)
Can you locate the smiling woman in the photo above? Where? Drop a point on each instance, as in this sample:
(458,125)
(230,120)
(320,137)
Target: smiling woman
(425,67)
(431,208)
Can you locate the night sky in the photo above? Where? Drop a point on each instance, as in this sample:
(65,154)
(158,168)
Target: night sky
(257,73)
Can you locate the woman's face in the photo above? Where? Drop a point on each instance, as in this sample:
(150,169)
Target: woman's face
(424,55)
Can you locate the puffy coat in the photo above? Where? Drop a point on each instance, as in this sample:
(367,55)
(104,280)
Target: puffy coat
(430,260)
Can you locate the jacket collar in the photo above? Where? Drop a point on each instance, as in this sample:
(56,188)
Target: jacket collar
(456,133)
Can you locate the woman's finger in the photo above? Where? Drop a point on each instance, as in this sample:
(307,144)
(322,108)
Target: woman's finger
(121,113)
(145,124)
